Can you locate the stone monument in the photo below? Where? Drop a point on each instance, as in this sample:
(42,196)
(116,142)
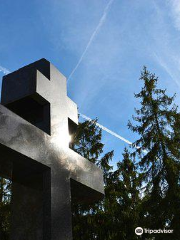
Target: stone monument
(36,118)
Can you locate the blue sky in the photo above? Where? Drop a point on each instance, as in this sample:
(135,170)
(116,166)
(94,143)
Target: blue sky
(101,46)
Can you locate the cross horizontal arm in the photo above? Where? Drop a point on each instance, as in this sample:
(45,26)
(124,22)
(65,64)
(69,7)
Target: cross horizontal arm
(28,140)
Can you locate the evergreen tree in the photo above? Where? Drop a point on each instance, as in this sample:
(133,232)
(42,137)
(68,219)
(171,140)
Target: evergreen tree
(116,216)
(128,196)
(158,150)
(87,218)
(87,140)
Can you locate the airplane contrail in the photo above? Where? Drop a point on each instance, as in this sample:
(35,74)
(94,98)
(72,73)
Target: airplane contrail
(112,133)
(4,70)
(101,22)
(107,130)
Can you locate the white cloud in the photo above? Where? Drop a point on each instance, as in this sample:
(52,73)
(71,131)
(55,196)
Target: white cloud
(101,22)
(4,70)
(165,44)
(167,68)
(175,6)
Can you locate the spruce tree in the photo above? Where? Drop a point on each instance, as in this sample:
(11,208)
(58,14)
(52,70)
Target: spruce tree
(87,140)
(157,123)
(127,197)
(116,216)
(88,218)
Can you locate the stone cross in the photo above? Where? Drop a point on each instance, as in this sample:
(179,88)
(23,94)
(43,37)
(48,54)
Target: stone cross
(35,123)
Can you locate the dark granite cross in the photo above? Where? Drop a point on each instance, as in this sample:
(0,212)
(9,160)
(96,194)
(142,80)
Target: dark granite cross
(35,123)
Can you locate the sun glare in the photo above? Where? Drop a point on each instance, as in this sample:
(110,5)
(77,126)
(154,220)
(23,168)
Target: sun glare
(69,138)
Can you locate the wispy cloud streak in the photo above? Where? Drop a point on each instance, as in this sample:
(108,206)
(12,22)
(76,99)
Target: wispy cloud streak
(167,69)
(107,130)
(101,22)
(175,6)
(112,133)
(4,70)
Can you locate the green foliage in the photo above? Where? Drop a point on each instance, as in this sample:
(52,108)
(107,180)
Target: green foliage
(5,213)
(157,123)
(116,216)
(144,190)
(87,141)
